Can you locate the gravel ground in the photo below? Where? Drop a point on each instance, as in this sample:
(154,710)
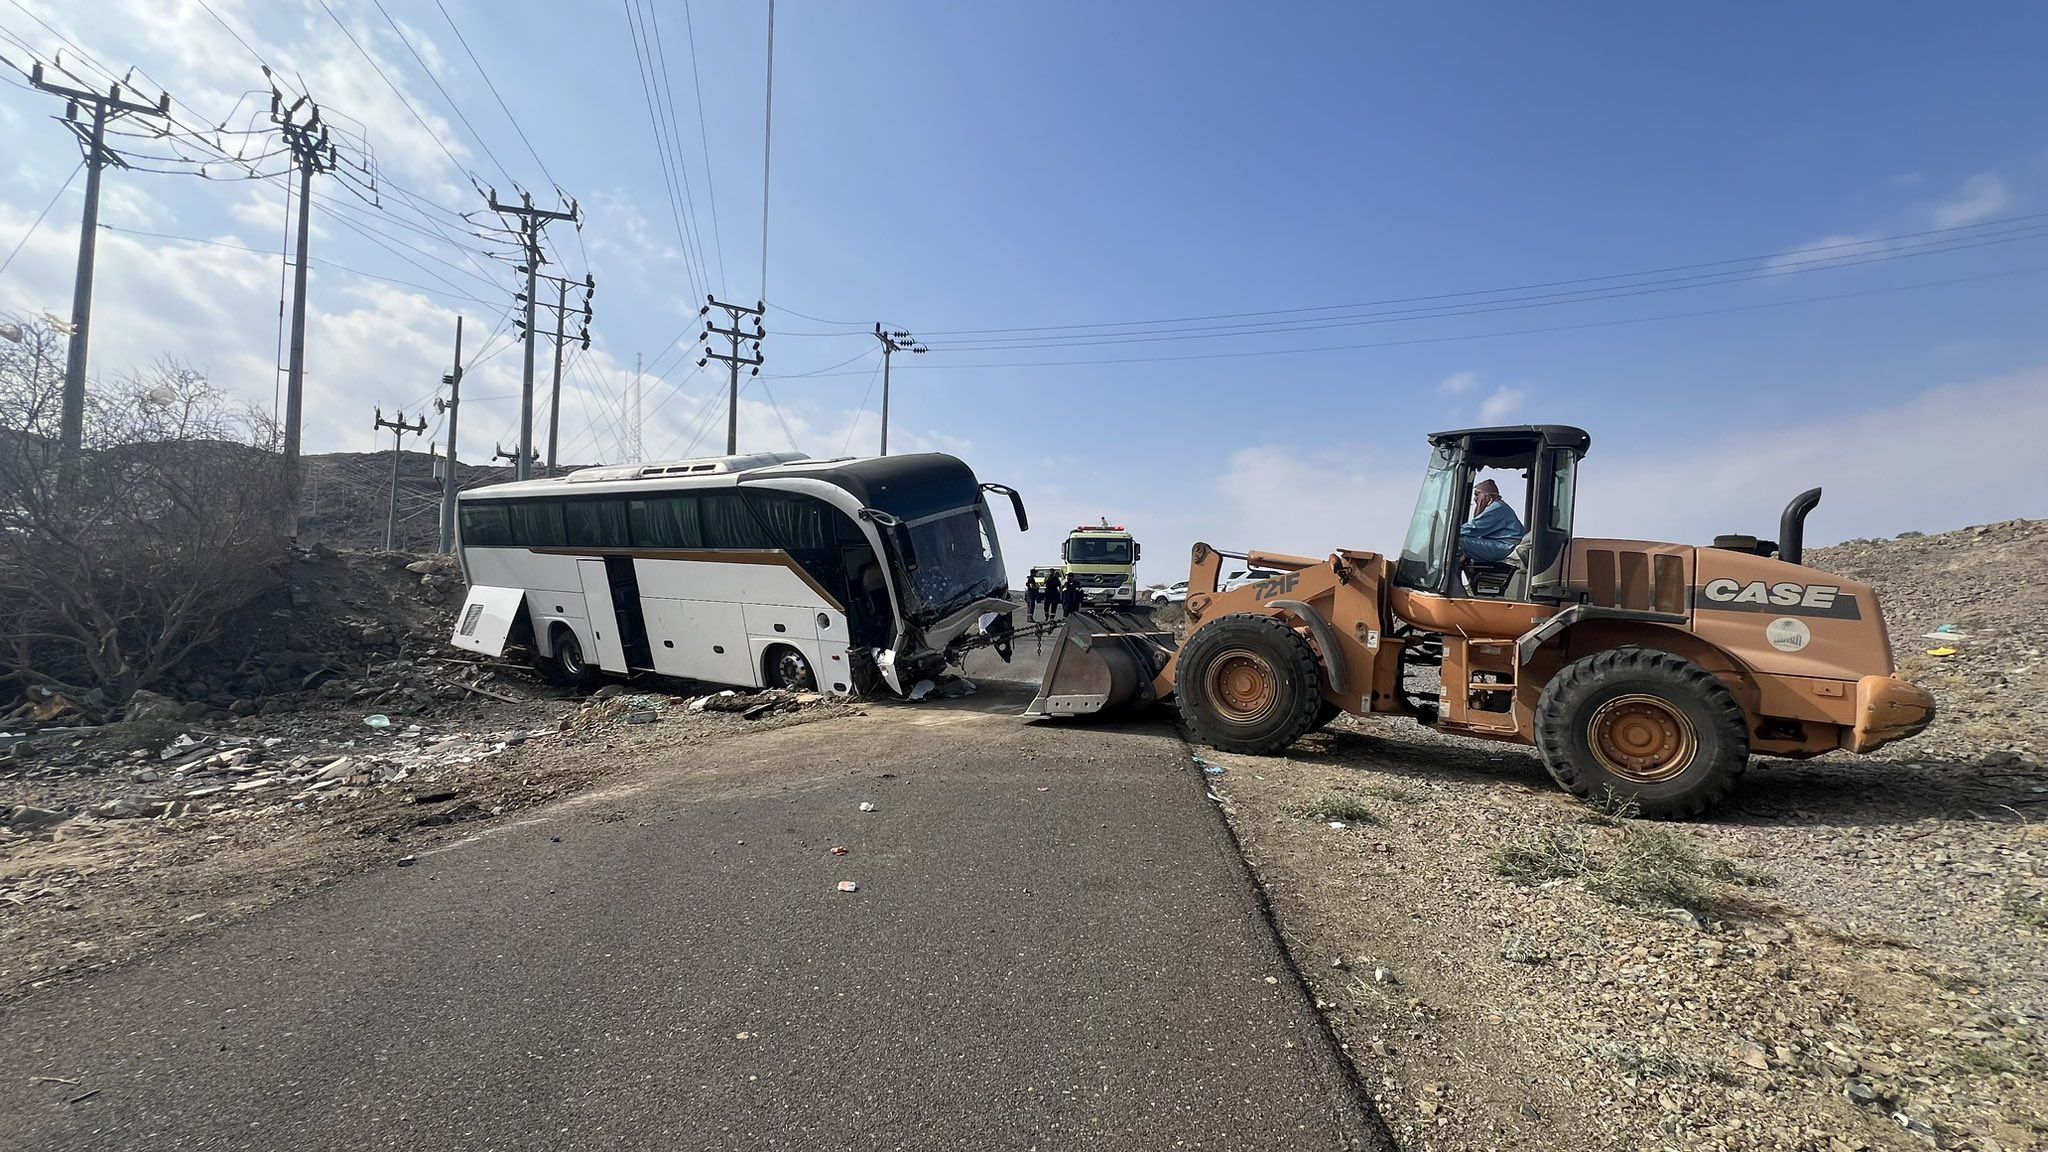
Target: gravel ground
(118,840)
(1861,961)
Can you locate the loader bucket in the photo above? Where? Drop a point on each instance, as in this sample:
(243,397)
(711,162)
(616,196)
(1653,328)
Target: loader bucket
(1103,660)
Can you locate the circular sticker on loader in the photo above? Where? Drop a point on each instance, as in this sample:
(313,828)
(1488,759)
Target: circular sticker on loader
(1787,634)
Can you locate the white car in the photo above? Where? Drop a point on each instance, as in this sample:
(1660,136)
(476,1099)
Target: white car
(1242,577)
(1175,593)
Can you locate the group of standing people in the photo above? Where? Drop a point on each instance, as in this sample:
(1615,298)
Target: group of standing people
(1052,595)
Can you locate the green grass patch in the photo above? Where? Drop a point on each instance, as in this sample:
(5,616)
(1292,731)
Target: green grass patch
(1394,794)
(2029,908)
(1985,1062)
(1336,806)
(1635,865)
(1551,854)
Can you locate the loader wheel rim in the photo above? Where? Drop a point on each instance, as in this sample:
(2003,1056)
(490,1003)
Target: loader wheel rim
(1242,685)
(1642,738)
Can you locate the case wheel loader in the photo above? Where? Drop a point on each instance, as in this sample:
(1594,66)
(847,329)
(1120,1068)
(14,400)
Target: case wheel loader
(1645,674)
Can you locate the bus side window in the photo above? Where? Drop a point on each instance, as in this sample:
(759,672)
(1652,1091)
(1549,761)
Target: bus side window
(597,524)
(795,523)
(728,524)
(537,524)
(666,522)
(486,525)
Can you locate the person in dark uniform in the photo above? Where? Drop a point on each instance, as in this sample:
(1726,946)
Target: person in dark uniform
(1070,598)
(1051,595)
(1031,596)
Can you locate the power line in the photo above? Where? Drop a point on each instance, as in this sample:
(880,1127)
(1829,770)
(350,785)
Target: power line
(660,54)
(862,410)
(703,139)
(457,108)
(698,285)
(38,221)
(396,91)
(767,147)
(460,39)
(1509,304)
(325,263)
(1782,255)
(1453,339)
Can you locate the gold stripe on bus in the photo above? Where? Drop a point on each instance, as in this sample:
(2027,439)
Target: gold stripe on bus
(770,557)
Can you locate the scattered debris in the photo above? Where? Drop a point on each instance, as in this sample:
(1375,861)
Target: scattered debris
(849,886)
(867,806)
(839,850)
(377,720)
(920,690)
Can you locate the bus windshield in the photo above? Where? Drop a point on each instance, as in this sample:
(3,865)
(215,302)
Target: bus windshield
(956,560)
(1098,550)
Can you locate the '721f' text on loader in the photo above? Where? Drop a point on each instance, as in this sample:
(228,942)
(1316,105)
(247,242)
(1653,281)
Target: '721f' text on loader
(1645,674)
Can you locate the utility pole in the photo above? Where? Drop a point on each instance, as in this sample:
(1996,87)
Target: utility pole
(734,359)
(313,152)
(555,392)
(561,336)
(635,447)
(398,428)
(531,221)
(451,406)
(892,343)
(104,106)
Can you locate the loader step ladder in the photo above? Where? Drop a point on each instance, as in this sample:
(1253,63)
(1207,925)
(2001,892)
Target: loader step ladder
(1482,668)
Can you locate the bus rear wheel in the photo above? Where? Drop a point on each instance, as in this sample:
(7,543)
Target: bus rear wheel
(566,665)
(788,669)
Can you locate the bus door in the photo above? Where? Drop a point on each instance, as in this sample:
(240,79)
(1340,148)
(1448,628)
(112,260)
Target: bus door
(604,616)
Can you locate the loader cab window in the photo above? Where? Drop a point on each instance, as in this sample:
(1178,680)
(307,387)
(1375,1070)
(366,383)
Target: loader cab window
(1427,546)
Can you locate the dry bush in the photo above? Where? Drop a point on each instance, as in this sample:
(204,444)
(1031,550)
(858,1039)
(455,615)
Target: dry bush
(171,526)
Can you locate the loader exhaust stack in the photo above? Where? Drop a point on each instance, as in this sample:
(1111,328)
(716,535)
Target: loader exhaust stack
(1101,661)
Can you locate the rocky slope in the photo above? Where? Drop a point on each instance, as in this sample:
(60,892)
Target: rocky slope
(1852,955)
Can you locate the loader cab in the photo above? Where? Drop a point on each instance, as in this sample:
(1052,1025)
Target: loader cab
(1546,457)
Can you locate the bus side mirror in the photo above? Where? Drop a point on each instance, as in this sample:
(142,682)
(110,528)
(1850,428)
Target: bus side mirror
(895,529)
(1016,503)
(1137,551)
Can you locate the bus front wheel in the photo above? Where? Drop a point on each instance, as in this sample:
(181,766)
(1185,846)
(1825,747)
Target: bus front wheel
(566,665)
(788,669)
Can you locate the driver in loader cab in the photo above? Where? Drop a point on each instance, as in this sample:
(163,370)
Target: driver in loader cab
(1494,529)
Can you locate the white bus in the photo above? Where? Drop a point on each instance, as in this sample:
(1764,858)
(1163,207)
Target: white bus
(766,570)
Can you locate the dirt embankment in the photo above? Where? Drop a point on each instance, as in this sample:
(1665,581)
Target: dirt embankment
(1851,955)
(332,733)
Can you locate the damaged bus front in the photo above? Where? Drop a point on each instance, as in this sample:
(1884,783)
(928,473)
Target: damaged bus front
(948,586)
(771,570)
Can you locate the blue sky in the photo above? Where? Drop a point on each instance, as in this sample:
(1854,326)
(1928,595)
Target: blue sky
(951,167)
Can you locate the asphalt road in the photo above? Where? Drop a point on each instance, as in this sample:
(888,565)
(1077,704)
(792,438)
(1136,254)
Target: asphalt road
(1053,946)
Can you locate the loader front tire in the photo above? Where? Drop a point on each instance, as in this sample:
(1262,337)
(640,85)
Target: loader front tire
(1248,683)
(1642,729)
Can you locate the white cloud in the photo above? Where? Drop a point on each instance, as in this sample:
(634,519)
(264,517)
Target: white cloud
(1458,383)
(1505,401)
(1956,454)
(1953,455)
(1978,199)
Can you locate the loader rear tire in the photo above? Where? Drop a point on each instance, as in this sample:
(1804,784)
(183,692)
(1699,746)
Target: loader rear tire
(1642,729)
(1248,683)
